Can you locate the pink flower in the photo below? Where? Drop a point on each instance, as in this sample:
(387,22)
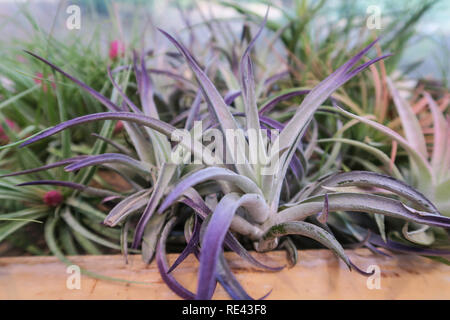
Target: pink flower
(119,127)
(38,80)
(4,139)
(53,198)
(116,49)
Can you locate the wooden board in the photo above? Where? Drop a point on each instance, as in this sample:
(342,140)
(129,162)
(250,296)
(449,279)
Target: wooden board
(318,275)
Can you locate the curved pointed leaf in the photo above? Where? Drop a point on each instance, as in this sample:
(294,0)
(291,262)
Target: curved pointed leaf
(216,105)
(161,261)
(372,179)
(308,230)
(127,206)
(361,203)
(158,125)
(109,158)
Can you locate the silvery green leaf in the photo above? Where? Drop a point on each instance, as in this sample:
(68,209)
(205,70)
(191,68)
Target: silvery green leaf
(308,230)
(372,179)
(423,236)
(151,236)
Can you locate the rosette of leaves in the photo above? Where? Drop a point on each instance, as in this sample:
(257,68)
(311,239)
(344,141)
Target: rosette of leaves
(421,161)
(240,197)
(35,95)
(65,202)
(265,218)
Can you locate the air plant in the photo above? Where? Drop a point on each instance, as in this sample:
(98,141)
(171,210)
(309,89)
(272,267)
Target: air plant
(434,127)
(425,168)
(241,196)
(30,98)
(72,220)
(66,202)
(363,97)
(260,195)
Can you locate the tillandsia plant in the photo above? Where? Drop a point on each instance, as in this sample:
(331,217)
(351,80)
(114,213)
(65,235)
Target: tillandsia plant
(239,185)
(430,137)
(411,145)
(424,135)
(31,98)
(366,95)
(66,202)
(259,194)
(425,143)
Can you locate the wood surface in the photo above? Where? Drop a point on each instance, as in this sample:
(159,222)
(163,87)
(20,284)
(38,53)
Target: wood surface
(318,275)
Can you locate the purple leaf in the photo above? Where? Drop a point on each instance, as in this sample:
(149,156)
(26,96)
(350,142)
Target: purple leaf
(291,136)
(272,102)
(360,271)
(247,83)
(130,204)
(214,237)
(368,203)
(400,247)
(193,112)
(158,125)
(105,101)
(216,105)
(161,261)
(272,79)
(190,247)
(229,281)
(145,88)
(231,96)
(46,167)
(212,244)
(122,94)
(107,158)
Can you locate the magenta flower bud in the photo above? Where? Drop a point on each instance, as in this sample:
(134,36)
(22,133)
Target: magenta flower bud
(38,80)
(116,49)
(3,136)
(53,198)
(119,127)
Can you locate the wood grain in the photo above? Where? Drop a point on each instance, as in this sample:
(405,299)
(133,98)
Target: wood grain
(318,275)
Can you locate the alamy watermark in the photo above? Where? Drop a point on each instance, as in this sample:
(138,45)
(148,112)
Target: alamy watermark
(73,21)
(373,282)
(258,147)
(374,18)
(73,281)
